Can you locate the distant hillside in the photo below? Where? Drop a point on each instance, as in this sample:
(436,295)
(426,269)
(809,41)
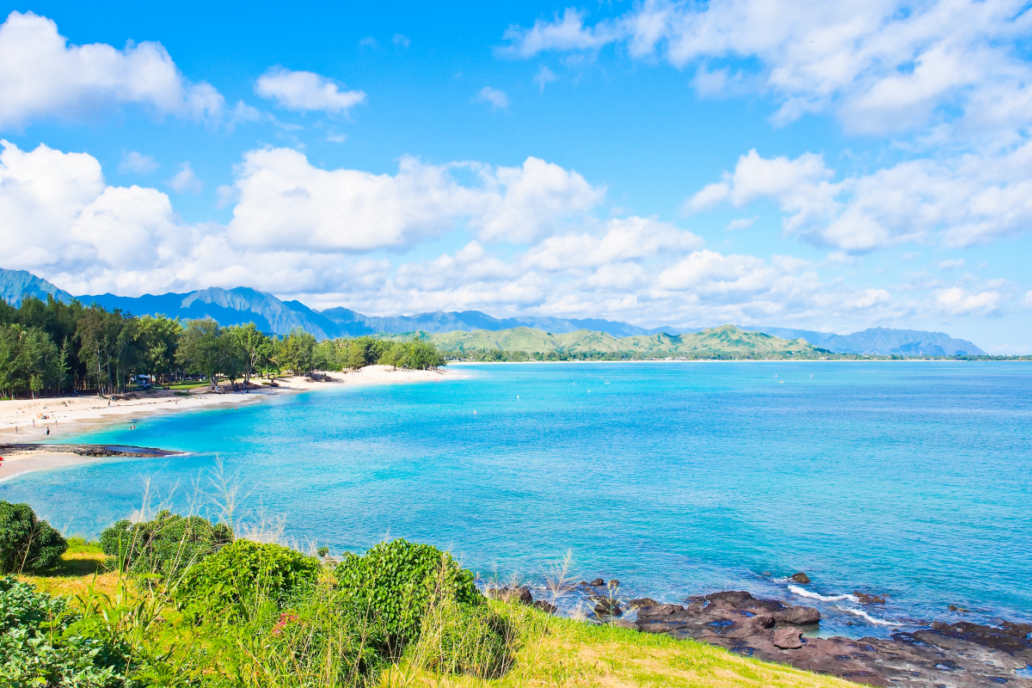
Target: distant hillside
(17,284)
(352,323)
(723,341)
(228,307)
(880,341)
(243,305)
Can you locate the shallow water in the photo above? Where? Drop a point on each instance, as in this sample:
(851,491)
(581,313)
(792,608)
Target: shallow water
(905,479)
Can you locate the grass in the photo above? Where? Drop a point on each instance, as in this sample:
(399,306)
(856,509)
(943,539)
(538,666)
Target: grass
(570,654)
(548,651)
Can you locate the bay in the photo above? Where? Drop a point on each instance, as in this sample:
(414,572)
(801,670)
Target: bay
(910,479)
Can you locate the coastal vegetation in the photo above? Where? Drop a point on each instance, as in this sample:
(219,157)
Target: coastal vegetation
(523,343)
(261,614)
(54,347)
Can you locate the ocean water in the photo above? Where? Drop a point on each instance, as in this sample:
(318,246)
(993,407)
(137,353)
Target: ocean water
(912,480)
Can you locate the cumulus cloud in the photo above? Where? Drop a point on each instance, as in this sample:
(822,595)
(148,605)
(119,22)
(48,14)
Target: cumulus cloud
(621,240)
(952,264)
(402,40)
(286,202)
(958,202)
(306,91)
(41,75)
(958,301)
(1027,301)
(185,180)
(57,212)
(497,99)
(138,163)
(879,66)
(296,229)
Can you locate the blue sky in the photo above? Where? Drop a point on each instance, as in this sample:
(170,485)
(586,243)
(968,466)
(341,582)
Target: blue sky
(663,163)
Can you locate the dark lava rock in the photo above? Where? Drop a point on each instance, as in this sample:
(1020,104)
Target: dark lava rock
(546,607)
(962,655)
(639,602)
(597,583)
(801,578)
(798,616)
(788,638)
(608,608)
(521,595)
(614,583)
(864,598)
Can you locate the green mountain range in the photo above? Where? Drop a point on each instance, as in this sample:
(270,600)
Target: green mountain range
(726,341)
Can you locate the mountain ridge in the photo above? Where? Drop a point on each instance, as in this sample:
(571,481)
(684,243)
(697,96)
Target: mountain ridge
(241,305)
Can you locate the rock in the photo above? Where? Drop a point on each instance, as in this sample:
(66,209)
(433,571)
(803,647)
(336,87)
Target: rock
(546,607)
(597,583)
(788,638)
(639,602)
(797,616)
(864,598)
(608,608)
(614,583)
(801,578)
(624,623)
(730,598)
(520,595)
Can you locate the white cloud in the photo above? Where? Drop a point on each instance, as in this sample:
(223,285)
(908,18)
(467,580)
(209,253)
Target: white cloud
(952,264)
(621,240)
(42,76)
(1027,301)
(138,163)
(185,180)
(544,77)
(566,33)
(287,203)
(57,213)
(879,66)
(402,40)
(295,228)
(741,223)
(496,98)
(306,91)
(958,202)
(958,301)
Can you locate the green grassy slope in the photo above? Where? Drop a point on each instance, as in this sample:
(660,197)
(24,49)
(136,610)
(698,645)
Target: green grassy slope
(726,340)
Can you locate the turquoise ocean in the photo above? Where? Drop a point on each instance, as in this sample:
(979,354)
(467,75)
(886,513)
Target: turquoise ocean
(909,479)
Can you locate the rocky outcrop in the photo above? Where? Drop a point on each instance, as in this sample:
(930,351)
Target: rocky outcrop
(800,578)
(92,450)
(962,655)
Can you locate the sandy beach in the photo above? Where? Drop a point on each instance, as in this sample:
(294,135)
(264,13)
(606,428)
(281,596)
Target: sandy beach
(28,420)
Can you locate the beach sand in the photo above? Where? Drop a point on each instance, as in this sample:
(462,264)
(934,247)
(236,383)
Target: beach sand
(24,420)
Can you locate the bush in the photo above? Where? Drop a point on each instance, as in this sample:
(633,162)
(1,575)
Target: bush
(167,545)
(242,576)
(458,638)
(41,646)
(402,592)
(26,543)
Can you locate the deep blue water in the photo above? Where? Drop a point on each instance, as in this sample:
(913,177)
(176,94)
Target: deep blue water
(908,479)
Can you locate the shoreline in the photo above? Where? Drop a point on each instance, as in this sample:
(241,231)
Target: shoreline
(27,420)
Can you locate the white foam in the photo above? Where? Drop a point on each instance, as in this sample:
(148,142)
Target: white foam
(803,592)
(867,617)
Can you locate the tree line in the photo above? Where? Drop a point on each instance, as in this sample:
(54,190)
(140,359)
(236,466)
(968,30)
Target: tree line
(51,348)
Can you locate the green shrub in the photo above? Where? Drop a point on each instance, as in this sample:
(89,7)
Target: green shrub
(399,587)
(466,639)
(167,545)
(237,580)
(41,644)
(26,543)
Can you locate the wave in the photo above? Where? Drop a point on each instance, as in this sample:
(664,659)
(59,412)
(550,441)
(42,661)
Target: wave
(802,592)
(867,617)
